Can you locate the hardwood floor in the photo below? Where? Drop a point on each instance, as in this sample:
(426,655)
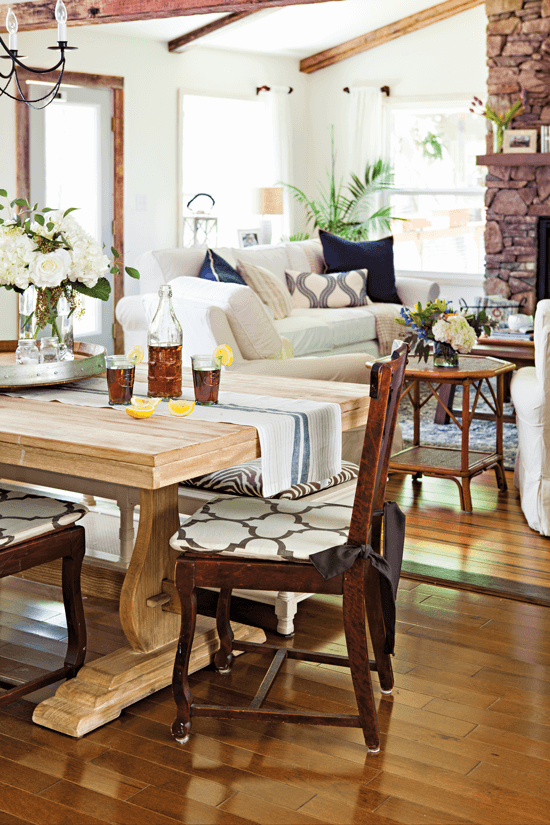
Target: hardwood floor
(465,735)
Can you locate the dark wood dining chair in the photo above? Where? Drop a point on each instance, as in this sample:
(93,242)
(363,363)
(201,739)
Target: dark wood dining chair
(35,530)
(257,544)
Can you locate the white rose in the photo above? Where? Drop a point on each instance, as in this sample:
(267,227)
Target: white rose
(51,268)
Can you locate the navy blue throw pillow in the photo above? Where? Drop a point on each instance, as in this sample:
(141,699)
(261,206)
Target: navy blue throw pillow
(376,256)
(216,268)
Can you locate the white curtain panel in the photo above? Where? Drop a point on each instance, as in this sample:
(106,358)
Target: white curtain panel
(277,101)
(367,133)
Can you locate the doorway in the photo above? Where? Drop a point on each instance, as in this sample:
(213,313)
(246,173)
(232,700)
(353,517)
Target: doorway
(71,154)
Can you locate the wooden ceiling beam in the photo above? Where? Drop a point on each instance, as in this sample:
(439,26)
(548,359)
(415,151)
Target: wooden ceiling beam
(39,14)
(375,38)
(216,25)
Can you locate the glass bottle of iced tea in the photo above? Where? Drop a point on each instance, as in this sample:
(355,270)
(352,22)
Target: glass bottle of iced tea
(164,342)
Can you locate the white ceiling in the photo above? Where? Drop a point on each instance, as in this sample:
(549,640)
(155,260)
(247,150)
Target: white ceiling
(293,31)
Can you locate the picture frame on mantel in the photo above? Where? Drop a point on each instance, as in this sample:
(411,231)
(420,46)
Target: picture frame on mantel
(519,141)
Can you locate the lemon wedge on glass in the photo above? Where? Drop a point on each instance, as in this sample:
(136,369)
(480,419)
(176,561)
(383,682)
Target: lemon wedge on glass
(136,355)
(181,408)
(145,403)
(140,412)
(224,354)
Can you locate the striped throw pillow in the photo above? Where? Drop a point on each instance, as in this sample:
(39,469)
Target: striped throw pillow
(313,290)
(269,289)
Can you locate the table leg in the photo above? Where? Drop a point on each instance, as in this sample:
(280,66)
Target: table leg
(499,468)
(465,448)
(105,686)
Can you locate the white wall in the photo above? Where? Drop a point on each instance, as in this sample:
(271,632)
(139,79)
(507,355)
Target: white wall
(443,59)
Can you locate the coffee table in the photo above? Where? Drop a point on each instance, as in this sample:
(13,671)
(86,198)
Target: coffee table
(72,447)
(460,465)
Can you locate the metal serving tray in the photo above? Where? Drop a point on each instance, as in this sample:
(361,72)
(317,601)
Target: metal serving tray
(89,361)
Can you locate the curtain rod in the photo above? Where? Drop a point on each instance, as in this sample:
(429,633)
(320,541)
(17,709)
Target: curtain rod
(268,89)
(384,89)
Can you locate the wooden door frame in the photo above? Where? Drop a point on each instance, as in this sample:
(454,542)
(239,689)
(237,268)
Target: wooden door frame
(22,127)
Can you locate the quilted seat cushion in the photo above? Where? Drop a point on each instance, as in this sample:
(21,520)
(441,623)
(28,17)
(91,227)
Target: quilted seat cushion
(246,480)
(24,516)
(264,528)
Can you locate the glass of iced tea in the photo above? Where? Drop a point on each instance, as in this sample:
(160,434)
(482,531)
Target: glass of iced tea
(120,379)
(206,378)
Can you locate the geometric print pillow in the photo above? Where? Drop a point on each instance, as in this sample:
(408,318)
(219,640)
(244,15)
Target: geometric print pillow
(246,480)
(264,528)
(312,290)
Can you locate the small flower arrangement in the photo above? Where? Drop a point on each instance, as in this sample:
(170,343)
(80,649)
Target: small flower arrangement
(501,120)
(48,249)
(437,322)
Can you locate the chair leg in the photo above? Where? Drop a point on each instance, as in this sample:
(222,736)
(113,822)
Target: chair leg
(377,630)
(358,653)
(72,602)
(223,660)
(185,583)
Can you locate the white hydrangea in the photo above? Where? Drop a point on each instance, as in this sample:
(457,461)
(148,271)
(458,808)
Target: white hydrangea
(456,331)
(88,263)
(16,253)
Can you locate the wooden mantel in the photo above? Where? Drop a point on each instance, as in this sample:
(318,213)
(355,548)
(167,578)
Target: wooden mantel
(515,159)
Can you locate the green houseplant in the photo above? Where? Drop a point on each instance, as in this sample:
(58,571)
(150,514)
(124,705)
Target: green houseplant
(344,209)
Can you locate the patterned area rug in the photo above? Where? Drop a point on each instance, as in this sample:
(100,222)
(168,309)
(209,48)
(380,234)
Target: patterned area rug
(482,433)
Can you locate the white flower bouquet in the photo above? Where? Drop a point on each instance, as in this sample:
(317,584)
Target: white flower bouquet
(448,330)
(48,249)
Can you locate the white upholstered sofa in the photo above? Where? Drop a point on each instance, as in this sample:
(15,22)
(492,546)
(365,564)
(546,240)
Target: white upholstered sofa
(530,391)
(213,313)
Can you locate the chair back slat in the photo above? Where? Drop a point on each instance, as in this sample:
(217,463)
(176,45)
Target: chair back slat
(386,382)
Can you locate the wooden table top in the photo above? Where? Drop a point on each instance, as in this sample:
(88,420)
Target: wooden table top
(154,452)
(469,366)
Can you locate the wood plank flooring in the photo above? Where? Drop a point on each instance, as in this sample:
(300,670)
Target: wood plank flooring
(465,735)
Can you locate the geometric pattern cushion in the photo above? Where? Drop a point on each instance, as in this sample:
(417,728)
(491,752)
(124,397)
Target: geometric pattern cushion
(264,528)
(24,516)
(311,290)
(246,480)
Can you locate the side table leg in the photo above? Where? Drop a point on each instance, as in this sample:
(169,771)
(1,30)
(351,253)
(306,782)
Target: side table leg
(499,468)
(465,457)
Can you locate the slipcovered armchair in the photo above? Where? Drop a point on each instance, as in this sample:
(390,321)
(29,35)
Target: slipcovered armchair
(530,391)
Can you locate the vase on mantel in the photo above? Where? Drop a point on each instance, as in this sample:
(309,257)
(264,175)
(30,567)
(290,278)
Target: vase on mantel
(60,319)
(445,355)
(498,137)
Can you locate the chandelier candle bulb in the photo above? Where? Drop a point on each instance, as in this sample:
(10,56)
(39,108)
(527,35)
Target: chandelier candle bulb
(11,25)
(61,17)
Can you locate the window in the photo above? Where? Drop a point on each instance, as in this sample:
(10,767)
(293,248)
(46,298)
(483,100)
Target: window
(437,186)
(227,152)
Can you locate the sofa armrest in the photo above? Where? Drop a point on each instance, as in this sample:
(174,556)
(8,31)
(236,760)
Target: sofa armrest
(527,394)
(412,290)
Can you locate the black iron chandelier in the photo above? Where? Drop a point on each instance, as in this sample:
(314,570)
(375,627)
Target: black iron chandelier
(16,60)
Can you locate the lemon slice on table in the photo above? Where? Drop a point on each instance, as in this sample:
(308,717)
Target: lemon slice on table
(145,403)
(136,355)
(224,354)
(181,408)
(140,412)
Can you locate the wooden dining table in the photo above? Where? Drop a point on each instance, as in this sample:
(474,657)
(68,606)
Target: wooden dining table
(90,446)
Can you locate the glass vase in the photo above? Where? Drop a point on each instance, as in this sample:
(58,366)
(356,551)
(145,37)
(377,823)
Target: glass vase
(444,355)
(498,137)
(60,325)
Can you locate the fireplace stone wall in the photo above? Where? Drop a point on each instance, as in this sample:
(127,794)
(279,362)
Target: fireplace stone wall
(518,56)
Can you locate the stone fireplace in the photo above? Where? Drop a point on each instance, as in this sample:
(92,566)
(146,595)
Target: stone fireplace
(518,186)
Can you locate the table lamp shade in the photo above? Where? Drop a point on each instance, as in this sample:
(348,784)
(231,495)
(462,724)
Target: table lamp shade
(271,200)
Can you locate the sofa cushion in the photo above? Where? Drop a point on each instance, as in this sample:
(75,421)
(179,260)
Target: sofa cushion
(254,331)
(216,268)
(376,256)
(322,330)
(246,480)
(332,290)
(267,287)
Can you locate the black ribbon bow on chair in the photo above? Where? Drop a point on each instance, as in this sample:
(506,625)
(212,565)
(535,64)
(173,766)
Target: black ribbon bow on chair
(336,560)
